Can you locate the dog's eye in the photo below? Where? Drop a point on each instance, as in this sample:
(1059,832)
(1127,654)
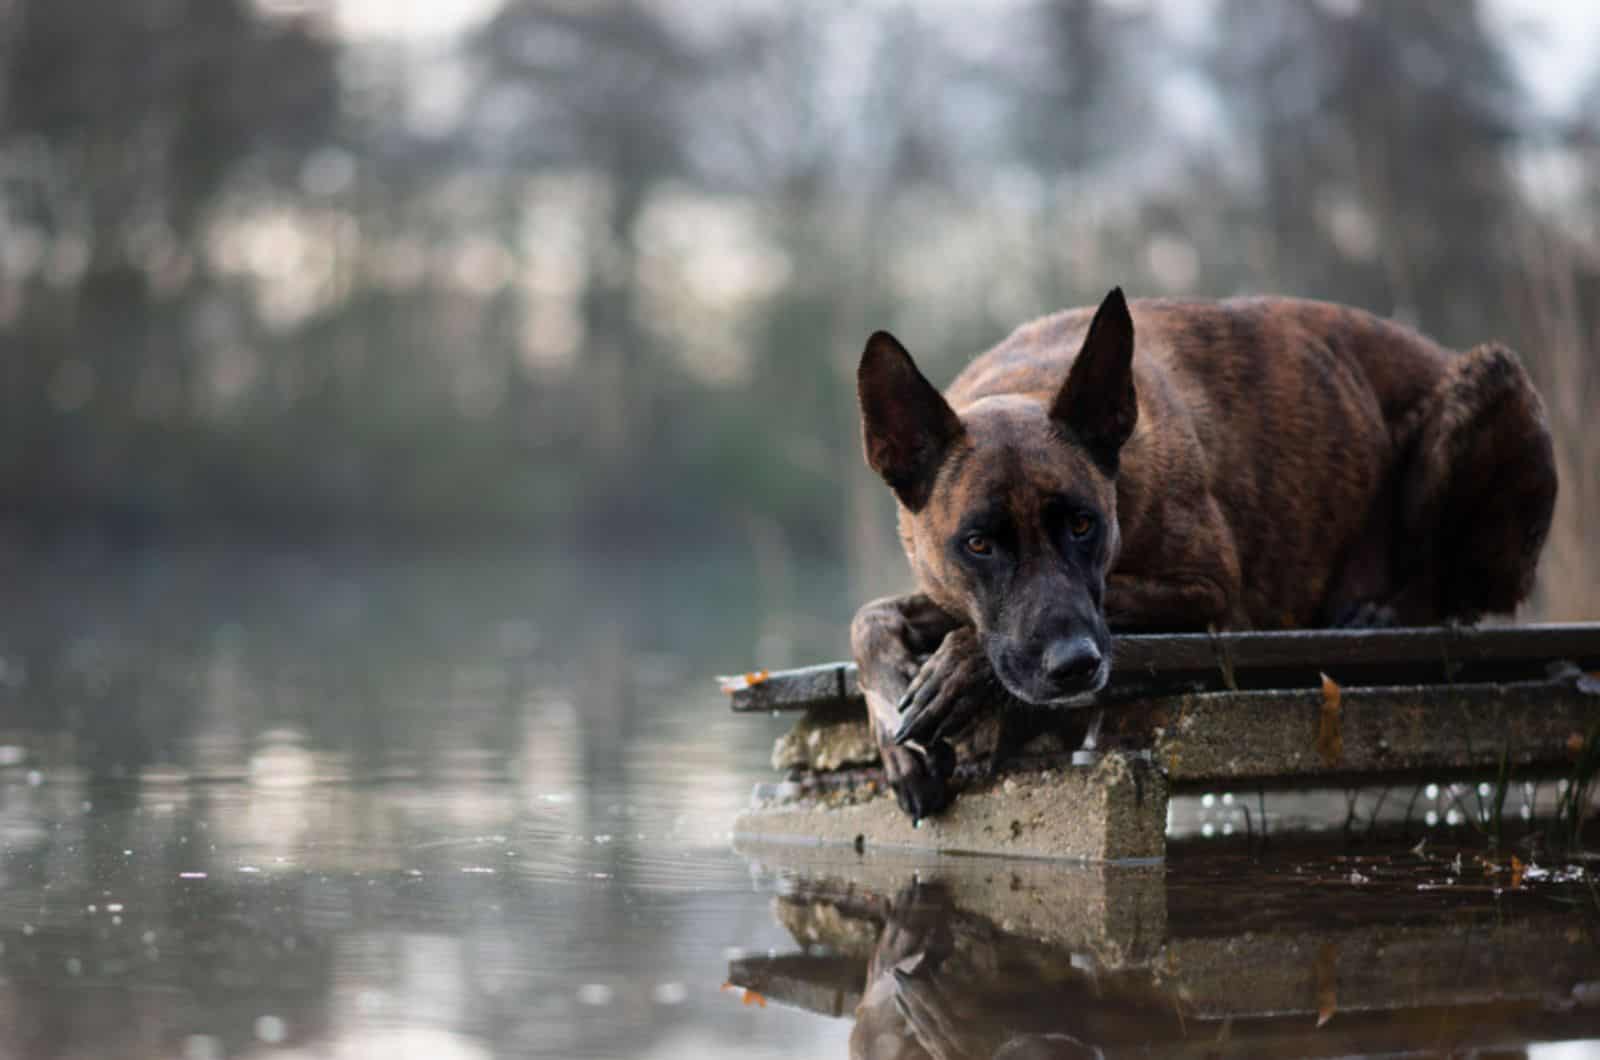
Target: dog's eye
(1080,524)
(978,545)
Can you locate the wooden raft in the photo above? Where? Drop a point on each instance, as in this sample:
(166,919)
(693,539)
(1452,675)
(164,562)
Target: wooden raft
(1202,712)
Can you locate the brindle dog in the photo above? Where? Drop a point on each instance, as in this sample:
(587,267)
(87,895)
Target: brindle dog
(1258,463)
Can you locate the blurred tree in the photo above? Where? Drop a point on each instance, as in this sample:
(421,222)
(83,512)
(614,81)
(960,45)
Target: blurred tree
(117,145)
(1380,133)
(603,89)
(1075,84)
(835,140)
(1078,82)
(1557,310)
(603,270)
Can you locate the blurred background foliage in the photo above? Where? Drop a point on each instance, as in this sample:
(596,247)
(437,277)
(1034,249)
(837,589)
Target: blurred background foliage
(596,273)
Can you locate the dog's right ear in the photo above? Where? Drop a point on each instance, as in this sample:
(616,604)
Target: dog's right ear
(905,422)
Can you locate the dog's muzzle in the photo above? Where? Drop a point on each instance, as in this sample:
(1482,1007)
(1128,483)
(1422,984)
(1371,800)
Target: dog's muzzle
(1086,697)
(1068,672)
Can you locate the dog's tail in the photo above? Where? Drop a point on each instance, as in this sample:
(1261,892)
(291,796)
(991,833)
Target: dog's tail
(1480,487)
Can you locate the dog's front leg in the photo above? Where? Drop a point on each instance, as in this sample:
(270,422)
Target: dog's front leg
(893,640)
(1172,604)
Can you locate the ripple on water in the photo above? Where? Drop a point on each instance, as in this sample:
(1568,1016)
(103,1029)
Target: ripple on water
(544,855)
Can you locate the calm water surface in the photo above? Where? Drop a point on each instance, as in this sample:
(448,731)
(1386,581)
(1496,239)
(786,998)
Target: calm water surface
(278,806)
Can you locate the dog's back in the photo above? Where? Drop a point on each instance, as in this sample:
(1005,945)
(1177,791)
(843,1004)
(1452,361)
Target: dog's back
(1250,349)
(1357,464)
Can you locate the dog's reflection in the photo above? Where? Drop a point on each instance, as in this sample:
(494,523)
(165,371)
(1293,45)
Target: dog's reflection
(946,984)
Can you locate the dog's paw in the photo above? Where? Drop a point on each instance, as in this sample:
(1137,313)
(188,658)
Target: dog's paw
(950,688)
(1367,615)
(916,932)
(920,778)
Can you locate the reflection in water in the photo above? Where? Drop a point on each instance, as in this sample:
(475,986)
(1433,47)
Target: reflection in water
(944,984)
(448,919)
(434,811)
(473,809)
(1280,957)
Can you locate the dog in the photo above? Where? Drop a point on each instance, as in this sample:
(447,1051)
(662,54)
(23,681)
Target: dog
(1255,463)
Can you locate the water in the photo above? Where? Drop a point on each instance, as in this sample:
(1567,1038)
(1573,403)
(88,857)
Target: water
(280,806)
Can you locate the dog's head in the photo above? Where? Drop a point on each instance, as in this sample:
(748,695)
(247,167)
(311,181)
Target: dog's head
(1008,511)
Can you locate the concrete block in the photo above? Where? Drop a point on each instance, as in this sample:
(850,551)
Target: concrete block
(1115,810)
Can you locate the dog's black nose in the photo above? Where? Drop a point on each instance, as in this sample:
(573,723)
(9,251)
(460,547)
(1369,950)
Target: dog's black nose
(1070,659)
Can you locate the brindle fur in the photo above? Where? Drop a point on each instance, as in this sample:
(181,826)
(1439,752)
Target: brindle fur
(1266,463)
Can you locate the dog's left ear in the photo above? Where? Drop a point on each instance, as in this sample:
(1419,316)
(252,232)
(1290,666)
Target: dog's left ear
(1097,403)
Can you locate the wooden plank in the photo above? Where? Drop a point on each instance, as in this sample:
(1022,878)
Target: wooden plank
(1289,735)
(1154,664)
(1441,647)
(829,684)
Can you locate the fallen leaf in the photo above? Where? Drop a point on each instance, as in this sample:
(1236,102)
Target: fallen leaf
(741,682)
(1330,731)
(1330,692)
(1575,744)
(1327,972)
(747,996)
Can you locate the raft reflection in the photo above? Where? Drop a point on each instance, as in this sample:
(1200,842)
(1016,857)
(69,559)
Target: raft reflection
(1303,954)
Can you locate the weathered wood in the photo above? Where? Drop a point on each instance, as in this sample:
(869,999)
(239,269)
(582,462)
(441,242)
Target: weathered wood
(1439,648)
(825,685)
(1157,664)
(1220,737)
